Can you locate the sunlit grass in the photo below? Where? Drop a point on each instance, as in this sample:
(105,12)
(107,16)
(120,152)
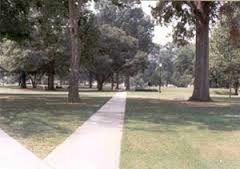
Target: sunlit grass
(175,134)
(178,93)
(42,120)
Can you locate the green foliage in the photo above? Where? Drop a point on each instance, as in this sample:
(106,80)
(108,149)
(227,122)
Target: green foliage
(185,14)
(224,57)
(16,58)
(14,19)
(230,15)
(119,41)
(183,73)
(46,41)
(177,66)
(113,49)
(110,40)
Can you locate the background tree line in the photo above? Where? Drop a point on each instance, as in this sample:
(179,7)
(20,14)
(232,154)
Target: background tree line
(112,41)
(63,39)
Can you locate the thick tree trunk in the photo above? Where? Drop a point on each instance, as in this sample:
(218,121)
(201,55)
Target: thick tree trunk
(23,79)
(117,80)
(99,85)
(74,6)
(127,82)
(51,72)
(201,80)
(90,80)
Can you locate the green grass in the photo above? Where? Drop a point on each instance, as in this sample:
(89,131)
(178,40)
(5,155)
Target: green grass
(40,120)
(184,93)
(174,134)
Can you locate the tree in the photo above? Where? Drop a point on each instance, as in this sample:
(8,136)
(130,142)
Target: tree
(14,19)
(23,60)
(48,33)
(89,36)
(164,55)
(230,13)
(112,53)
(183,65)
(74,8)
(135,23)
(224,57)
(137,64)
(192,16)
(167,56)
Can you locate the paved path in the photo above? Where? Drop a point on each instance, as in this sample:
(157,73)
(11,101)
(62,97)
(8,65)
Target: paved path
(97,143)
(14,156)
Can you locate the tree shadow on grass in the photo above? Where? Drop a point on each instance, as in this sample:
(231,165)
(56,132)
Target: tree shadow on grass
(35,115)
(168,116)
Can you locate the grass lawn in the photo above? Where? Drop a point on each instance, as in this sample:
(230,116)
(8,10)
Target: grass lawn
(168,133)
(41,120)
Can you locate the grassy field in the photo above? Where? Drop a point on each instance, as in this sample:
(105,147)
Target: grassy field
(180,93)
(164,132)
(41,120)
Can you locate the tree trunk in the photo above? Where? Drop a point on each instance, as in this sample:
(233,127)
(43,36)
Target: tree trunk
(127,82)
(51,73)
(236,87)
(99,85)
(117,80)
(90,80)
(73,94)
(34,84)
(201,80)
(112,81)
(236,91)
(23,79)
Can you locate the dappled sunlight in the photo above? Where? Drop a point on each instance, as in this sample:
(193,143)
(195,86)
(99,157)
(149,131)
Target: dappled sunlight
(214,116)
(177,133)
(41,122)
(41,93)
(205,104)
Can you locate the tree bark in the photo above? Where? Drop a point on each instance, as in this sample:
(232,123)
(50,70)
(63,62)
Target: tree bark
(127,82)
(34,84)
(51,73)
(74,8)
(90,80)
(99,85)
(23,79)
(201,80)
(112,81)
(236,87)
(117,80)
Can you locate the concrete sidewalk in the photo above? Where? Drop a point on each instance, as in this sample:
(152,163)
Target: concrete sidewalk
(14,156)
(97,143)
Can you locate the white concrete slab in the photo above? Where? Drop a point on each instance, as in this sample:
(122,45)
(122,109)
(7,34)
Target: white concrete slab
(14,156)
(97,143)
